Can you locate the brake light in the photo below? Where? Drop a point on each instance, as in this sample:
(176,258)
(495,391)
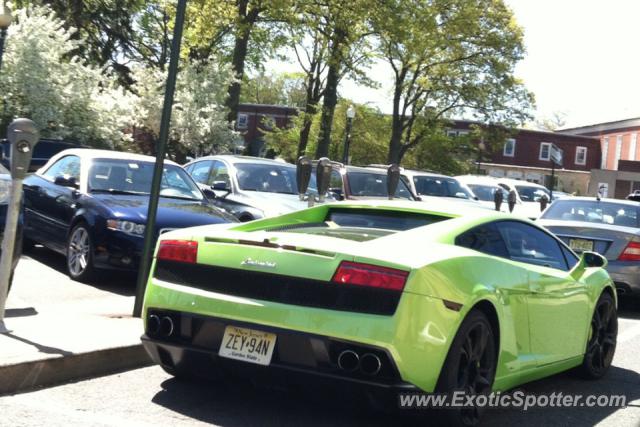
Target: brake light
(631,252)
(374,276)
(178,250)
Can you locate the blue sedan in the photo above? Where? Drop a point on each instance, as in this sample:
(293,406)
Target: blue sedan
(91,205)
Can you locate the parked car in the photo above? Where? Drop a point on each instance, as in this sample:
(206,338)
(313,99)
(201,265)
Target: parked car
(5,188)
(610,227)
(484,189)
(427,185)
(361,183)
(91,205)
(249,187)
(43,151)
(528,196)
(389,296)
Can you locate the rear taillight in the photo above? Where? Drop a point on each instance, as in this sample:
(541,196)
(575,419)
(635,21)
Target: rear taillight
(178,250)
(631,252)
(353,273)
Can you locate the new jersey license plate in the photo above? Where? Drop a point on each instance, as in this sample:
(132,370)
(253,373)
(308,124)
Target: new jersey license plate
(581,245)
(247,345)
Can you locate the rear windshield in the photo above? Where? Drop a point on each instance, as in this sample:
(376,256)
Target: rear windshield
(593,211)
(531,194)
(486,192)
(365,224)
(371,184)
(439,187)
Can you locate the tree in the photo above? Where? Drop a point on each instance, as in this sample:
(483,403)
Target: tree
(275,89)
(449,56)
(44,80)
(555,121)
(199,125)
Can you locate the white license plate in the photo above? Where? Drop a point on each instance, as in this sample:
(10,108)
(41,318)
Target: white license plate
(581,245)
(247,345)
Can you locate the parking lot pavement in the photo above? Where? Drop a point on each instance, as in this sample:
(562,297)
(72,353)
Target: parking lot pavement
(62,330)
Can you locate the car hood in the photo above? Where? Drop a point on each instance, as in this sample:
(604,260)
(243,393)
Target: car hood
(271,203)
(172,213)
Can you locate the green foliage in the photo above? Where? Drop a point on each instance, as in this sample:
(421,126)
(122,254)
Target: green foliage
(274,89)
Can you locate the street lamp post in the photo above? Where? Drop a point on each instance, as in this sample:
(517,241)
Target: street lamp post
(351,113)
(5,22)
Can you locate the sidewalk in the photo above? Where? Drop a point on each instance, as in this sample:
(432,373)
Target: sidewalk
(61,330)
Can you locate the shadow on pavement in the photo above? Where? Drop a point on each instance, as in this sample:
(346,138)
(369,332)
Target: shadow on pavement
(629,307)
(121,283)
(20,312)
(41,348)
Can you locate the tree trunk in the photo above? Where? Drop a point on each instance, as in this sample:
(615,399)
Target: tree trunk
(397,120)
(328,108)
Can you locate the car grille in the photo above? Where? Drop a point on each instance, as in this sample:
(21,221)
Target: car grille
(279,288)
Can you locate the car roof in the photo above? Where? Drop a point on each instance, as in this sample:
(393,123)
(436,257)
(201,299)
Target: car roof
(520,182)
(446,207)
(412,172)
(86,153)
(233,159)
(594,199)
(477,179)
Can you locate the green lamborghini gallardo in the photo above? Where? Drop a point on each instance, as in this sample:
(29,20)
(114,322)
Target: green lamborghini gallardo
(394,296)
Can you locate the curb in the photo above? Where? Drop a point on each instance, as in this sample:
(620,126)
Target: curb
(39,373)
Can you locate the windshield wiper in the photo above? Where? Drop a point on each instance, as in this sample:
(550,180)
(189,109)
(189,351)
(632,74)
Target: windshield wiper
(179,197)
(119,192)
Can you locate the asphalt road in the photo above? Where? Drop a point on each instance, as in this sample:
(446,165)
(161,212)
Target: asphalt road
(151,397)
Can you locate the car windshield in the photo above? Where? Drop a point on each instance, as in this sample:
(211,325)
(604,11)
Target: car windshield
(369,184)
(531,194)
(439,187)
(270,178)
(134,177)
(486,192)
(593,211)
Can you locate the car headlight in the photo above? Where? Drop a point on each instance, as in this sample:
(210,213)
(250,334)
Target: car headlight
(5,188)
(126,227)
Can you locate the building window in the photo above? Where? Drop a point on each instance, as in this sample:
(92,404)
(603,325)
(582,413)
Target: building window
(509,148)
(581,156)
(605,152)
(243,121)
(545,151)
(618,151)
(451,133)
(632,146)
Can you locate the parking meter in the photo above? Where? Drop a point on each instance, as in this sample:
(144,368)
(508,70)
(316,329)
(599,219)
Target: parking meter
(544,201)
(511,199)
(323,177)
(498,198)
(393,178)
(23,135)
(303,175)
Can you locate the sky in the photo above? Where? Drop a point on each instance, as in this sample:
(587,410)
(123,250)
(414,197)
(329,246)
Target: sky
(582,60)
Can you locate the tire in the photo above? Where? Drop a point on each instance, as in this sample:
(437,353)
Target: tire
(601,345)
(80,254)
(470,367)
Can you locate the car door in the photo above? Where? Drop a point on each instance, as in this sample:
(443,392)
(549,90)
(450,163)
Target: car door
(510,279)
(220,174)
(49,207)
(558,304)
(200,172)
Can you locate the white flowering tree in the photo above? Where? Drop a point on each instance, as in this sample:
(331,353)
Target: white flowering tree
(198,121)
(67,98)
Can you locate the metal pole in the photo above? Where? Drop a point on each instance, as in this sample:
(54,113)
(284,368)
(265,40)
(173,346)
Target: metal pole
(553,173)
(3,36)
(347,141)
(149,233)
(8,244)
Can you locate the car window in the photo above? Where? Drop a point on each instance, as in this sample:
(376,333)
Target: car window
(531,194)
(68,165)
(200,171)
(220,173)
(365,184)
(438,186)
(569,256)
(600,212)
(485,239)
(486,192)
(529,244)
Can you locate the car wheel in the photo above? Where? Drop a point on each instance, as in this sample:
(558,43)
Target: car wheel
(470,367)
(603,334)
(80,254)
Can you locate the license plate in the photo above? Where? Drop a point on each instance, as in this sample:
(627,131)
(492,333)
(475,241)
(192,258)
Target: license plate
(581,245)
(247,345)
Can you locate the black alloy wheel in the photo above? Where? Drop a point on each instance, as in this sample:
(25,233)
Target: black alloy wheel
(470,367)
(601,345)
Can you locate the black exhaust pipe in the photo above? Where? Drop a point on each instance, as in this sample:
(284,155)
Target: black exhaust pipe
(153,324)
(370,364)
(166,326)
(348,360)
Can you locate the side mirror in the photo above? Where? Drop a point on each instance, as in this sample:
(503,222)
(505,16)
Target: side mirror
(303,175)
(220,186)
(393,179)
(593,259)
(323,177)
(66,181)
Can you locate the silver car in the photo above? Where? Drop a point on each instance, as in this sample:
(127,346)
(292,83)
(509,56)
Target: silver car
(608,226)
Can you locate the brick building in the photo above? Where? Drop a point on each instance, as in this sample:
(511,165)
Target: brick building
(527,156)
(254,119)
